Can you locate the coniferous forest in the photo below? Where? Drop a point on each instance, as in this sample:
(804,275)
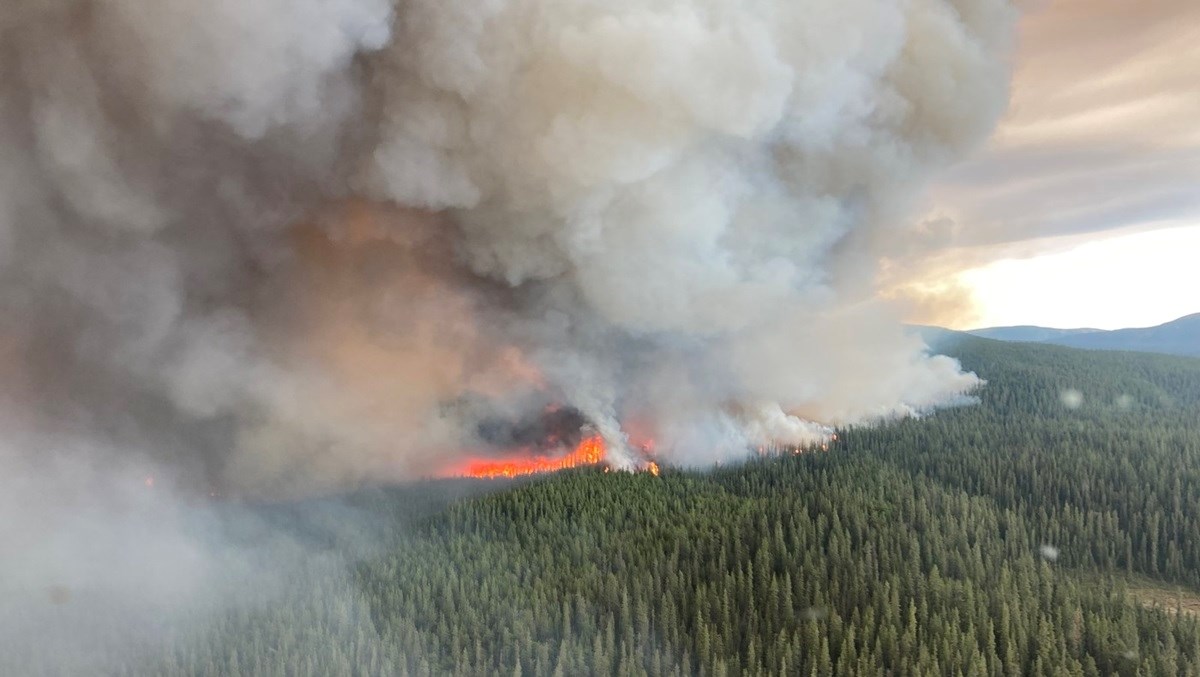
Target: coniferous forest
(1051,529)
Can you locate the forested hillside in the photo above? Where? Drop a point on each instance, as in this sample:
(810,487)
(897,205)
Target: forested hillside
(1007,538)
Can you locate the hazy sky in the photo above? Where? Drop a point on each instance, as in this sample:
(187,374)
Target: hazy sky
(1084,209)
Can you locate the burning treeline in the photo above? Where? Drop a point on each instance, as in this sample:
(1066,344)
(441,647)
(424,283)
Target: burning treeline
(281,244)
(588,453)
(561,439)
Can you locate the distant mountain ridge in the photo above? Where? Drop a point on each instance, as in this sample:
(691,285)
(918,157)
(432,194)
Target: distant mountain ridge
(1028,333)
(1177,337)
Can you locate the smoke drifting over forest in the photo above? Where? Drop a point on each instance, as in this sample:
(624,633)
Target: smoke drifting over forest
(269,247)
(274,245)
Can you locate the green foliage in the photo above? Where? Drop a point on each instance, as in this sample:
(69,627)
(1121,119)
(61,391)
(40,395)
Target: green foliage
(913,548)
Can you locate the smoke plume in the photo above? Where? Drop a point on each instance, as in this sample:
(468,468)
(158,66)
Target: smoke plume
(283,245)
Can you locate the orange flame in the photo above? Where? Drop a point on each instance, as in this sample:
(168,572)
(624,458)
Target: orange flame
(590,451)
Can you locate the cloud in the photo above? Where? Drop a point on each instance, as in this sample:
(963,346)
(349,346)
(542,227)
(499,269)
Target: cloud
(1100,138)
(1101,132)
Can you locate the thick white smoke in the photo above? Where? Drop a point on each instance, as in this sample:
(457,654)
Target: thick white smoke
(276,245)
(691,196)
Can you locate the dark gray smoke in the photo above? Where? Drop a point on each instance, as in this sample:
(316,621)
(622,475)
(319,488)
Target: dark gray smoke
(552,429)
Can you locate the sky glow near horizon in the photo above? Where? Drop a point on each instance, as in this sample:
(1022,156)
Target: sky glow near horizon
(1100,149)
(1136,280)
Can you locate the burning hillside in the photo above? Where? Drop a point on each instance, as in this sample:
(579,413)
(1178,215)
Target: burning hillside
(548,456)
(270,244)
(559,439)
(277,248)
(590,452)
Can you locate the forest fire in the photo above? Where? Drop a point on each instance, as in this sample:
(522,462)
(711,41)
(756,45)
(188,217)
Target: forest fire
(590,451)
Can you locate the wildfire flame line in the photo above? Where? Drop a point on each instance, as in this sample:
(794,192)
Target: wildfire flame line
(590,451)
